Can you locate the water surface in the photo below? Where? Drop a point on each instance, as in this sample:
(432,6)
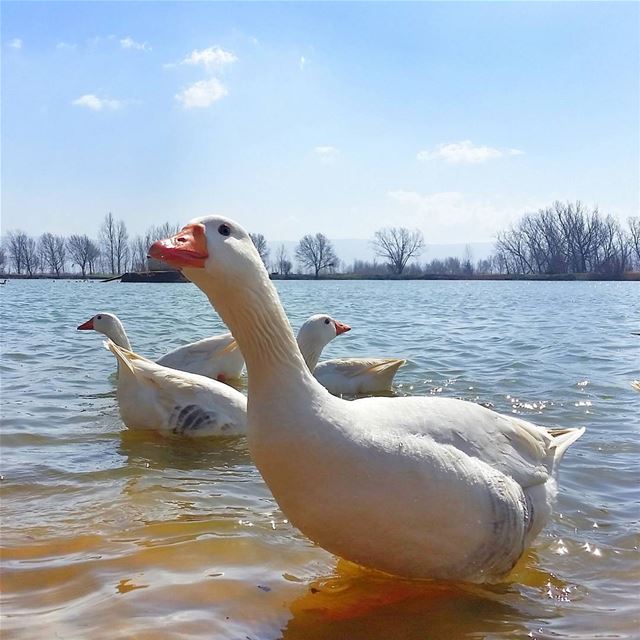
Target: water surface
(108,533)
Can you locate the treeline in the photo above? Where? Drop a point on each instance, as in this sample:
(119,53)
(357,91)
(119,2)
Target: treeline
(561,239)
(113,252)
(569,238)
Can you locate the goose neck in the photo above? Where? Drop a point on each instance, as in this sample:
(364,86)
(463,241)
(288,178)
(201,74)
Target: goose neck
(259,324)
(117,333)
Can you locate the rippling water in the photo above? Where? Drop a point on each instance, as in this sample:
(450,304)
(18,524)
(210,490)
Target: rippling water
(108,533)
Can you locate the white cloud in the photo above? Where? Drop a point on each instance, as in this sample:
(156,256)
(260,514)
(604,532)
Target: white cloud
(16,43)
(465,152)
(95,41)
(212,59)
(65,45)
(202,94)
(302,63)
(91,101)
(130,43)
(451,216)
(327,154)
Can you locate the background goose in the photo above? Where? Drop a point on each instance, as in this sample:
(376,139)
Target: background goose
(174,402)
(420,487)
(339,376)
(217,357)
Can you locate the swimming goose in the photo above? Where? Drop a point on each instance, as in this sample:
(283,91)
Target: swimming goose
(151,396)
(348,376)
(421,487)
(217,357)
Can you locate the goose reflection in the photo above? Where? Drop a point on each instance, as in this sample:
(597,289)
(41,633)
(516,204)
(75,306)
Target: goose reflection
(152,450)
(358,604)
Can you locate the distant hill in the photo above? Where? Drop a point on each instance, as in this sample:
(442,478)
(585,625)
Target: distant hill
(349,250)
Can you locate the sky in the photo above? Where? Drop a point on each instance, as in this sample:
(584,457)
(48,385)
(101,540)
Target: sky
(302,117)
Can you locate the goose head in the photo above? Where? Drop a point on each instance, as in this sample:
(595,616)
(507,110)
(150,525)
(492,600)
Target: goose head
(101,322)
(219,257)
(109,325)
(212,244)
(315,334)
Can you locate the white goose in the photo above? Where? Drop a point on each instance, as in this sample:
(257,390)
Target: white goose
(161,398)
(422,487)
(154,397)
(343,376)
(217,357)
(348,376)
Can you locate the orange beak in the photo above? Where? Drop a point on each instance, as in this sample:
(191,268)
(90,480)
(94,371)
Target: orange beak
(85,326)
(341,327)
(188,248)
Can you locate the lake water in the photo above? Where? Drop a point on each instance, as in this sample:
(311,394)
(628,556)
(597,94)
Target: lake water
(108,533)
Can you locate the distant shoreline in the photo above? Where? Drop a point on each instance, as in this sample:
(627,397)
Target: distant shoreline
(176,276)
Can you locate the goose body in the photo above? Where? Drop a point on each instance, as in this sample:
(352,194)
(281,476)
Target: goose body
(420,487)
(351,376)
(343,376)
(217,357)
(151,396)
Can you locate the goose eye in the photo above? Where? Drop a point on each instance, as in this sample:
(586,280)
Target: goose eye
(224,230)
(326,321)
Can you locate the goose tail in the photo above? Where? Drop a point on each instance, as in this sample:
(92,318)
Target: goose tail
(229,348)
(562,440)
(125,357)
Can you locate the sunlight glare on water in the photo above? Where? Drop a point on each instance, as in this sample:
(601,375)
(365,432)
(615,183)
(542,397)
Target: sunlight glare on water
(108,533)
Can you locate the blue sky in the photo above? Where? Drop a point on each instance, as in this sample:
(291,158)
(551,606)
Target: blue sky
(293,118)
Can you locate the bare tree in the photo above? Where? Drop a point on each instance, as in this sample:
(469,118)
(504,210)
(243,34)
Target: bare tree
(139,248)
(159,232)
(115,243)
(512,252)
(260,243)
(121,247)
(316,253)
(82,251)
(108,242)
(15,248)
(93,253)
(614,249)
(398,245)
(23,252)
(31,257)
(3,259)
(364,267)
(467,262)
(153,233)
(564,238)
(53,253)
(449,266)
(634,235)
(488,265)
(282,264)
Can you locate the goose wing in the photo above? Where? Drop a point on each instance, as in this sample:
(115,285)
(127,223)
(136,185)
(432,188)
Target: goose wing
(519,449)
(352,367)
